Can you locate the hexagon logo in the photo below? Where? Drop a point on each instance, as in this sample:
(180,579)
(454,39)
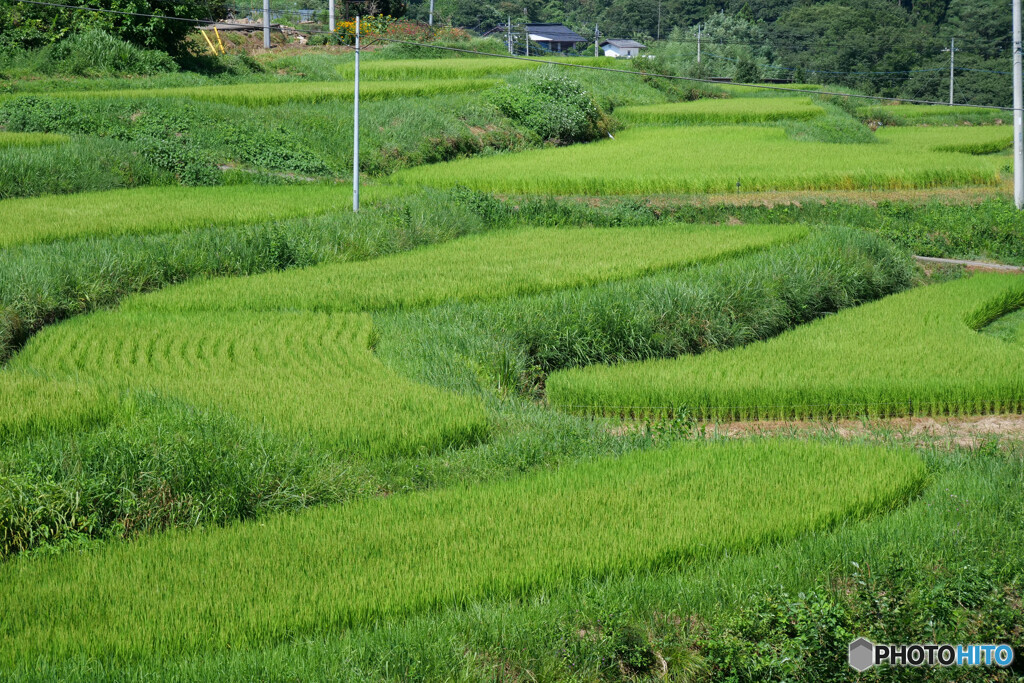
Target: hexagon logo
(862,654)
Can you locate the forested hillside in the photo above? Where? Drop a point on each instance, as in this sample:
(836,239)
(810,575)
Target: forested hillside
(844,42)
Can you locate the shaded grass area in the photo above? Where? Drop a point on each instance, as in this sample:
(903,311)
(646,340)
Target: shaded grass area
(483,267)
(918,353)
(386,558)
(717,159)
(943,568)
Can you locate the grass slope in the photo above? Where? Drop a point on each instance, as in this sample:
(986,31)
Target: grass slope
(918,352)
(376,559)
(699,159)
(502,264)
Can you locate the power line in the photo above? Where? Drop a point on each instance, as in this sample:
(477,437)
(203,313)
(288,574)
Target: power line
(690,79)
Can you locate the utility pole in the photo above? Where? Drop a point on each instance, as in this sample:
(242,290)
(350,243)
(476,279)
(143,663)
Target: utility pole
(952,51)
(330,18)
(266,24)
(430,21)
(355,130)
(597,38)
(508,34)
(698,45)
(659,20)
(1018,112)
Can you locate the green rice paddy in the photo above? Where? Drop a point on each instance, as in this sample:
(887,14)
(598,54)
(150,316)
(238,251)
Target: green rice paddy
(30,139)
(496,265)
(456,69)
(256,585)
(718,159)
(303,375)
(149,210)
(746,110)
(915,353)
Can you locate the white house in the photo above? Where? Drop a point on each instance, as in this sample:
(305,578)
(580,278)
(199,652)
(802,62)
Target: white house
(622,48)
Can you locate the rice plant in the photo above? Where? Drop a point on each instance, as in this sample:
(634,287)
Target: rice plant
(157,209)
(256,585)
(300,374)
(739,110)
(917,114)
(967,140)
(503,264)
(454,69)
(32,403)
(30,139)
(265,94)
(700,159)
(915,353)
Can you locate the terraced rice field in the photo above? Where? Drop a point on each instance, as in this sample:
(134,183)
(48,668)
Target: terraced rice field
(299,374)
(458,68)
(915,353)
(158,209)
(966,140)
(265,94)
(377,559)
(914,114)
(746,110)
(718,159)
(495,265)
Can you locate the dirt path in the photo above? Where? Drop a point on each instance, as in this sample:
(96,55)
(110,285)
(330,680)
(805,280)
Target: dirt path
(970,265)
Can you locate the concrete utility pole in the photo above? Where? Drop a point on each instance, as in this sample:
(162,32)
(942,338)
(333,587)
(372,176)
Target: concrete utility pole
(597,38)
(266,24)
(508,34)
(330,18)
(659,20)
(355,131)
(952,50)
(698,45)
(430,20)
(1018,112)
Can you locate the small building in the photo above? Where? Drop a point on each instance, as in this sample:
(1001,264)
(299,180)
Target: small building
(622,48)
(554,37)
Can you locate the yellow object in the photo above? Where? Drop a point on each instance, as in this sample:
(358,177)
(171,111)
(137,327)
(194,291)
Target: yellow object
(219,41)
(209,42)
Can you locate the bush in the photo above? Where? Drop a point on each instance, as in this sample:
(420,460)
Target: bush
(97,53)
(554,107)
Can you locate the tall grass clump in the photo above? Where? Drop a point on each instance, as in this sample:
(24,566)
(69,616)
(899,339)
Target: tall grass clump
(700,159)
(97,53)
(68,167)
(505,264)
(748,110)
(380,559)
(915,353)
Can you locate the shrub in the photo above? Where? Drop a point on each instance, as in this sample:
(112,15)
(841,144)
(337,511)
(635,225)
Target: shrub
(554,107)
